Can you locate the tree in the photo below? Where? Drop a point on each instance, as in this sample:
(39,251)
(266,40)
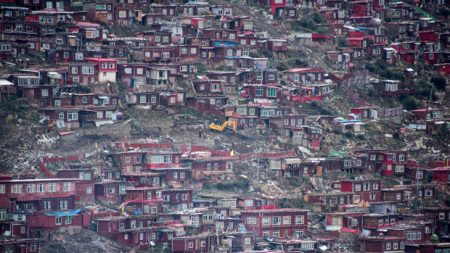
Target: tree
(409,103)
(439,82)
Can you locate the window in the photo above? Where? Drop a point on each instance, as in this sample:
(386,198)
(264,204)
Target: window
(47,205)
(17,188)
(2,188)
(175,174)
(251,220)
(388,246)
(127,70)
(241,110)
(72,115)
(399,196)
(31,188)
(111,65)
(399,168)
(357,187)
(33,247)
(428,192)
(87,70)
(271,92)
(182,175)
(143,99)
(248,202)
(122,14)
(441,215)
(61,115)
(276,220)
(259,91)
(79,56)
(5,47)
(418,235)
(63,204)
(395,245)
(58,220)
(67,186)
(299,220)
(286,220)
(52,187)
(276,233)
(265,221)
(68,220)
(419,174)
(166,198)
(366,186)
(247,240)
(88,190)
(161,159)
(190,245)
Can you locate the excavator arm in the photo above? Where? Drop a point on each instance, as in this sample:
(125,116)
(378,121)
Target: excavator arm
(221,128)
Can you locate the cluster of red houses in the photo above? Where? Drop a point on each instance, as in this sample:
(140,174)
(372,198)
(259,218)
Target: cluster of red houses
(152,185)
(149,189)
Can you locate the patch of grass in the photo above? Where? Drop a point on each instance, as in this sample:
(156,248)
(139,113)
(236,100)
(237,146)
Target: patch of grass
(241,183)
(292,203)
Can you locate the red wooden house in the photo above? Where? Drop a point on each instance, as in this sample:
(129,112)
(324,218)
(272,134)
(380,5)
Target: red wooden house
(177,199)
(443,68)
(204,168)
(32,195)
(305,75)
(106,69)
(387,162)
(382,244)
(441,174)
(109,191)
(89,31)
(85,182)
(132,74)
(428,36)
(329,201)
(147,199)
(21,245)
(277,45)
(201,243)
(277,7)
(276,223)
(131,231)
(414,234)
(258,91)
(439,217)
(376,221)
(364,190)
(43,203)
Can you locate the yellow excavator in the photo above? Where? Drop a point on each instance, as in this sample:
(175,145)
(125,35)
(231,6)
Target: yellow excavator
(226,125)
